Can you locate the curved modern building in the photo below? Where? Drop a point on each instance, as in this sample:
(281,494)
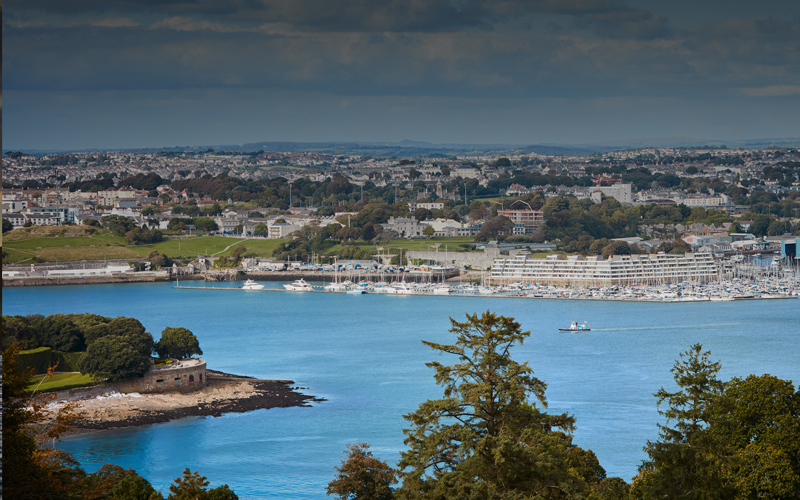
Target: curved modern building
(576,270)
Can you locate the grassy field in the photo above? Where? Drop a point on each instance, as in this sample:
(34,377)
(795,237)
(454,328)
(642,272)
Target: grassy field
(59,381)
(73,244)
(208,245)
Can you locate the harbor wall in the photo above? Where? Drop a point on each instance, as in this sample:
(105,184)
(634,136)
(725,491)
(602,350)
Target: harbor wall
(476,260)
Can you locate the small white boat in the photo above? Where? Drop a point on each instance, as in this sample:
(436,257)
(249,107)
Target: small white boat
(442,290)
(356,291)
(252,285)
(401,288)
(575,327)
(298,286)
(336,287)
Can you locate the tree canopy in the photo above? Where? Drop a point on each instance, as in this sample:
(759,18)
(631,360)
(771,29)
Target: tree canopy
(361,476)
(115,358)
(177,343)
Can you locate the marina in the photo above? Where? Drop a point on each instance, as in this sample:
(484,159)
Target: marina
(765,288)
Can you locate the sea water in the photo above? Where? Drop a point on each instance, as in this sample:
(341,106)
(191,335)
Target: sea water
(363,354)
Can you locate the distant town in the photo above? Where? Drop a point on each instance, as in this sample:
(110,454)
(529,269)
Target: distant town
(715,200)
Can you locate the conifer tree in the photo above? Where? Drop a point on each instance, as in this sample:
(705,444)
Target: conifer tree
(686,462)
(487,438)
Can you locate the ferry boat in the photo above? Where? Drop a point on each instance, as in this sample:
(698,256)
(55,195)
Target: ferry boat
(575,327)
(298,286)
(252,285)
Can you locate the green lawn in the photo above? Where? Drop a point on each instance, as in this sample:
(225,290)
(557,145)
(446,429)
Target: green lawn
(207,245)
(59,380)
(23,246)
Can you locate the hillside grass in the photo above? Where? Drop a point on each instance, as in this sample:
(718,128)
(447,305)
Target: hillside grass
(59,381)
(73,244)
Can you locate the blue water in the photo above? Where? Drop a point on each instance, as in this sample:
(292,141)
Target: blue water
(363,354)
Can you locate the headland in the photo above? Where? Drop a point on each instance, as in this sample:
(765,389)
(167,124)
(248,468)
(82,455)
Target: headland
(224,393)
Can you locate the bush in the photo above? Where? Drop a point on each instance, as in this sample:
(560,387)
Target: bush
(39,359)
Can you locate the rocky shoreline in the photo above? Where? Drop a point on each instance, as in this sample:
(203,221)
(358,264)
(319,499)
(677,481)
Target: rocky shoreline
(224,393)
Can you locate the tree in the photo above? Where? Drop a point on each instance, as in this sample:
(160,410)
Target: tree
(238,251)
(485,438)
(685,462)
(177,343)
(205,224)
(59,332)
(7,225)
(428,231)
(494,227)
(758,418)
(132,330)
(118,224)
(616,248)
(115,358)
(260,228)
(361,476)
(158,260)
(18,329)
(192,486)
(31,471)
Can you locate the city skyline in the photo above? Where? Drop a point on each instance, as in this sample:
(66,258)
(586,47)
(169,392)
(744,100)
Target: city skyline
(134,74)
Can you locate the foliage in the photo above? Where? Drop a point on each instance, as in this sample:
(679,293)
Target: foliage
(118,224)
(485,438)
(158,260)
(31,471)
(137,236)
(616,248)
(19,329)
(192,486)
(7,226)
(758,419)
(205,224)
(238,251)
(685,462)
(361,476)
(495,228)
(58,331)
(115,358)
(177,343)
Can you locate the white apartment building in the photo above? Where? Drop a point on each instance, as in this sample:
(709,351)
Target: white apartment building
(576,270)
(621,192)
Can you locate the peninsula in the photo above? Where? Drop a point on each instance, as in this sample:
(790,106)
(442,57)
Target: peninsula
(224,393)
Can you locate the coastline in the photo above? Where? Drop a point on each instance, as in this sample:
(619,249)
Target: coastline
(224,393)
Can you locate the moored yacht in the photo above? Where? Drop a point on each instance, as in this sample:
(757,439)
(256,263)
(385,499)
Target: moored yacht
(298,286)
(252,285)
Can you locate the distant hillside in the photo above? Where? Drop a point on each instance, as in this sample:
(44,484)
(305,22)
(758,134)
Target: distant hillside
(420,149)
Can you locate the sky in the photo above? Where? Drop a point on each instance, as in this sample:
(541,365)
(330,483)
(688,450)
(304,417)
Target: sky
(117,74)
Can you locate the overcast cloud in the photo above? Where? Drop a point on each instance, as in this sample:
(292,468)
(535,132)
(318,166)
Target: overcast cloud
(127,73)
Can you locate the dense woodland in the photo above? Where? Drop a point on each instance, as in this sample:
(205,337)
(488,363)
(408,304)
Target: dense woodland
(113,348)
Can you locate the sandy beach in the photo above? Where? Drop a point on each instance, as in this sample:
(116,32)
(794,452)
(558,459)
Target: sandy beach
(224,393)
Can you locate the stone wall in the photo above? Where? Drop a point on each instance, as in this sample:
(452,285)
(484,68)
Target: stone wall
(185,376)
(475,260)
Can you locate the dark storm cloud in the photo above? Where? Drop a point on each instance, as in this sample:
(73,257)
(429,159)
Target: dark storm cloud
(452,54)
